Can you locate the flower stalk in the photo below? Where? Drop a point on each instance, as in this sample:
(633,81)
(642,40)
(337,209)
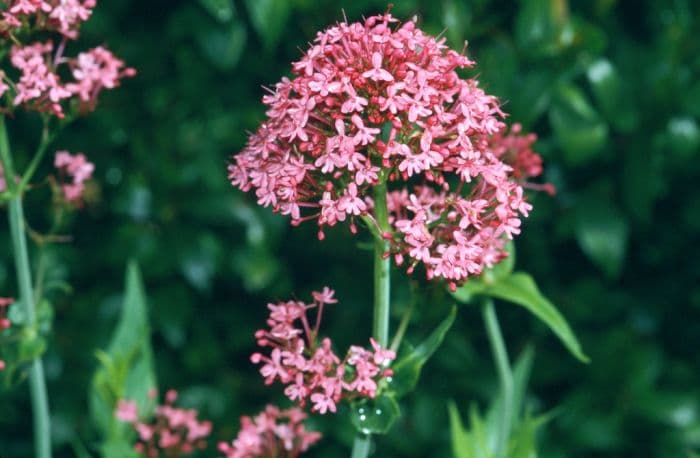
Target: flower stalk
(382,284)
(505,374)
(37,383)
(382,290)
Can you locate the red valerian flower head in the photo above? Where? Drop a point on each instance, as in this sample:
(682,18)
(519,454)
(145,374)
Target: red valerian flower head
(308,365)
(273,432)
(382,103)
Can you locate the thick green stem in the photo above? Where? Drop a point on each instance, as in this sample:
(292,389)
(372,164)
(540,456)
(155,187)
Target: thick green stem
(505,375)
(361,446)
(382,284)
(37,384)
(382,289)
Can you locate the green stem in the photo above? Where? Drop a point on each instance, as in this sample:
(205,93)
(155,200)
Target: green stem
(36,160)
(361,446)
(37,384)
(382,284)
(403,326)
(505,374)
(382,289)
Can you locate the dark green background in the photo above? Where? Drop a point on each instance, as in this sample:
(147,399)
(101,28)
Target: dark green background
(612,90)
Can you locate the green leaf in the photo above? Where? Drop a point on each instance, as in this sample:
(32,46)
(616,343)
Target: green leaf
(459,437)
(683,137)
(609,94)
(602,233)
(375,416)
(534,90)
(126,370)
(521,289)
(31,347)
(407,370)
(580,132)
(222,10)
(269,17)
(223,45)
(521,377)
(479,431)
(523,442)
(456,18)
(539,25)
(472,443)
(465,443)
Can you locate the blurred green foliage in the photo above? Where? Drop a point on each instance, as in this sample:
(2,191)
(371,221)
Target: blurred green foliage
(611,87)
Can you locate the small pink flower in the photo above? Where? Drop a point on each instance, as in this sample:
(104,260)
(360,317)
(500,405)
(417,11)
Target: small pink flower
(76,167)
(127,411)
(377,73)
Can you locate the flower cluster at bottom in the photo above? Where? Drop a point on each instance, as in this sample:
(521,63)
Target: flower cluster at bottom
(308,365)
(273,433)
(171,430)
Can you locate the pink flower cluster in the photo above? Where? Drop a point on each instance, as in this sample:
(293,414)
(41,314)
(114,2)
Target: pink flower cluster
(95,70)
(308,365)
(515,149)
(78,169)
(172,431)
(5,323)
(380,102)
(63,16)
(274,433)
(40,88)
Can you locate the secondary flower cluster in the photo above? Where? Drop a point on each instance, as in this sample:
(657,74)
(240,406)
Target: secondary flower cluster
(38,86)
(78,169)
(274,433)
(378,103)
(308,366)
(5,323)
(172,431)
(62,16)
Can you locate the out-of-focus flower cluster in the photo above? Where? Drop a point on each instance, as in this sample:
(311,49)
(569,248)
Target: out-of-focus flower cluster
(77,169)
(62,16)
(274,433)
(307,364)
(381,102)
(170,432)
(38,85)
(5,323)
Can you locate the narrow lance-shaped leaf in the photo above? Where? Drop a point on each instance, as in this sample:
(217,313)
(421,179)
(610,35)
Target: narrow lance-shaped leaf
(521,377)
(407,370)
(126,370)
(521,289)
